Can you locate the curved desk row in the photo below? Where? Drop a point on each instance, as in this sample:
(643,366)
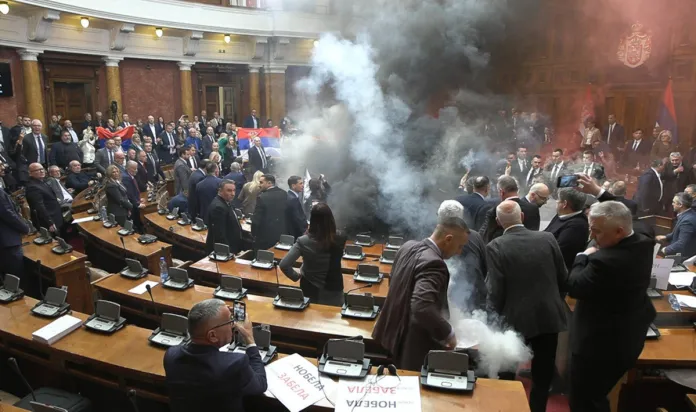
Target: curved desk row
(126,360)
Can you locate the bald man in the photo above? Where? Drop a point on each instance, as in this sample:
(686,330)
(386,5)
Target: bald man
(537,197)
(525,286)
(618,189)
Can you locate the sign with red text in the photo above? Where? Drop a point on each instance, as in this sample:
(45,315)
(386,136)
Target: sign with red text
(295,382)
(374,393)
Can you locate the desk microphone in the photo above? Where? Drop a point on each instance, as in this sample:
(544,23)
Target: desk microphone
(38,273)
(132,397)
(354,289)
(277,278)
(217,268)
(13,364)
(149,291)
(125,251)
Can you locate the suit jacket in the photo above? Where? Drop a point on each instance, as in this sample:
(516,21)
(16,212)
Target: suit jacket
(62,154)
(101,160)
(269,218)
(153,167)
(467,288)
(207,146)
(255,159)
(528,178)
(239,181)
(683,237)
(12,226)
(630,204)
(223,226)
(78,181)
(201,378)
(148,132)
(526,284)
(597,171)
(10,168)
(117,201)
(640,154)
(676,182)
(639,226)
(25,154)
(491,229)
(550,174)
(520,173)
(179,201)
(295,217)
(649,194)
(164,148)
(57,188)
(182,172)
(249,122)
(613,311)
(206,191)
(44,205)
(475,207)
(414,316)
(571,234)
(132,190)
(141,178)
(195,178)
(617,137)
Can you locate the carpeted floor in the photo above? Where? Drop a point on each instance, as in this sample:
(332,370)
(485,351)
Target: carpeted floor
(557,403)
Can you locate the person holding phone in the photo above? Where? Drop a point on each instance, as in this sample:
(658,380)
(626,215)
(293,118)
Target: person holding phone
(202,378)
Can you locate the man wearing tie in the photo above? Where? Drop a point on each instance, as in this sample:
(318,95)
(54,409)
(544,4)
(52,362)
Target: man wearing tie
(590,168)
(650,190)
(166,145)
(615,136)
(520,167)
(534,171)
(30,148)
(556,168)
(73,134)
(251,122)
(207,144)
(257,157)
(151,128)
(105,157)
(126,121)
(152,164)
(637,151)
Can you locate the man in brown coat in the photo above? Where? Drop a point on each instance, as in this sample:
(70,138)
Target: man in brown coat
(413,320)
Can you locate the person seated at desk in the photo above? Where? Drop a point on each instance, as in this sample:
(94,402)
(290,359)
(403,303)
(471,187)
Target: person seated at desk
(321,250)
(683,237)
(199,377)
(79,180)
(180,201)
(117,201)
(63,195)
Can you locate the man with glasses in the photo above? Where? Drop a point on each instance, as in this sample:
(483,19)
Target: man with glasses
(202,378)
(45,209)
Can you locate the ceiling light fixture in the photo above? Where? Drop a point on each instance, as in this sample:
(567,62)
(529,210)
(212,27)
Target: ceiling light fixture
(4,7)
(159,32)
(84,21)
(227,38)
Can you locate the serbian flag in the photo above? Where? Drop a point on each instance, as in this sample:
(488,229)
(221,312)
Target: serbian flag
(270,140)
(667,115)
(125,134)
(587,109)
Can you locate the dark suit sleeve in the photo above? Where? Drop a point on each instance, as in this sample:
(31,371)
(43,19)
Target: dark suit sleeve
(215,220)
(585,279)
(495,281)
(98,159)
(569,240)
(8,215)
(561,270)
(259,216)
(193,200)
(52,156)
(113,192)
(606,196)
(251,375)
(425,307)
(686,234)
(36,202)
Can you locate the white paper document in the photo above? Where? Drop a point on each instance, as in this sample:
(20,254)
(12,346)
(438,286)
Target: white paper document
(681,279)
(56,330)
(686,301)
(243,261)
(83,219)
(661,271)
(398,393)
(142,288)
(295,382)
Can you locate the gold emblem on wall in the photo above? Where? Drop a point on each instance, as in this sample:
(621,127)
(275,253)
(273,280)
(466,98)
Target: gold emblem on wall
(635,47)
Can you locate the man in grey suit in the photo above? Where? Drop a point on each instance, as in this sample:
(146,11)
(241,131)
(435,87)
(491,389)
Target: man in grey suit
(182,171)
(526,274)
(105,156)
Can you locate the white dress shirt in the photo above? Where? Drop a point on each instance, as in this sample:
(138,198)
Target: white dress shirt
(73,134)
(659,180)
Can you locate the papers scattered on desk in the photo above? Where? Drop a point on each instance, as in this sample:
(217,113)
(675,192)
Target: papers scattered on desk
(681,279)
(243,261)
(379,392)
(56,330)
(660,271)
(142,288)
(294,381)
(690,261)
(686,301)
(83,219)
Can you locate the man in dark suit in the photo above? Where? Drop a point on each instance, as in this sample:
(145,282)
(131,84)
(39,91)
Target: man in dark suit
(141,175)
(613,311)
(536,198)
(196,177)
(637,150)
(414,316)
(237,177)
(614,135)
(507,189)
(251,121)
(182,171)
(555,168)
(207,143)
(202,378)
(521,165)
(63,195)
(30,148)
(166,145)
(650,190)
(618,189)
(105,156)
(154,170)
(269,215)
(676,178)
(8,162)
(126,121)
(207,189)
(77,179)
(295,218)
(475,204)
(683,238)
(5,139)
(133,192)
(257,157)
(525,286)
(535,174)
(151,128)
(12,228)
(42,201)
(569,226)
(65,151)
(590,168)
(223,224)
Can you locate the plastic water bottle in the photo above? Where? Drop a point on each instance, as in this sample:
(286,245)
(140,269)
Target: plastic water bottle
(164,275)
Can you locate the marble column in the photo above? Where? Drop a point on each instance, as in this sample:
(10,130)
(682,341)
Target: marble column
(274,92)
(33,94)
(113,86)
(186,88)
(254,95)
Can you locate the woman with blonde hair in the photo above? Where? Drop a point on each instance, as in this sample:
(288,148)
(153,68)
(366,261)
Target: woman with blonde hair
(663,146)
(250,192)
(117,202)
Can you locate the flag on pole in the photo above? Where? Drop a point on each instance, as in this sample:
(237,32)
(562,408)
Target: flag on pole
(270,139)
(587,109)
(667,115)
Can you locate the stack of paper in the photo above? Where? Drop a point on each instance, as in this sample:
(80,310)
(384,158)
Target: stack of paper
(681,279)
(686,301)
(57,329)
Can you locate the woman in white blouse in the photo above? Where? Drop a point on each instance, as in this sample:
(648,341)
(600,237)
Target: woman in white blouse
(87,145)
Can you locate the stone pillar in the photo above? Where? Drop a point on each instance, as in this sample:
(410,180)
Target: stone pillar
(186,88)
(254,95)
(113,86)
(32,85)
(274,91)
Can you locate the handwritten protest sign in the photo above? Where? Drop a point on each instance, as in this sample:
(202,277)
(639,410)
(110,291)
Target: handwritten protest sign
(295,382)
(379,393)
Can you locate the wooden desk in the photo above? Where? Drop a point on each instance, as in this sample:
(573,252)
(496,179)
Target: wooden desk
(63,270)
(191,243)
(107,242)
(265,280)
(676,348)
(10,408)
(347,266)
(126,361)
(80,204)
(691,400)
(298,331)
(373,251)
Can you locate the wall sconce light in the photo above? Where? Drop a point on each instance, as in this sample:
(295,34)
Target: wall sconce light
(84,21)
(4,7)
(159,32)
(228,39)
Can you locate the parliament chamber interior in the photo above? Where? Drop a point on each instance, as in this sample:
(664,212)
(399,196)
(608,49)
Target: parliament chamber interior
(269,205)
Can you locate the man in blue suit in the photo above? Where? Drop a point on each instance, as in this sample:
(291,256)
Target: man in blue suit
(295,218)
(475,204)
(194,179)
(237,177)
(207,189)
(129,182)
(180,201)
(200,377)
(650,190)
(683,237)
(12,228)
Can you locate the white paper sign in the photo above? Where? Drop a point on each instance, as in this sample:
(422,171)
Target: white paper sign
(294,381)
(142,288)
(681,279)
(384,392)
(661,270)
